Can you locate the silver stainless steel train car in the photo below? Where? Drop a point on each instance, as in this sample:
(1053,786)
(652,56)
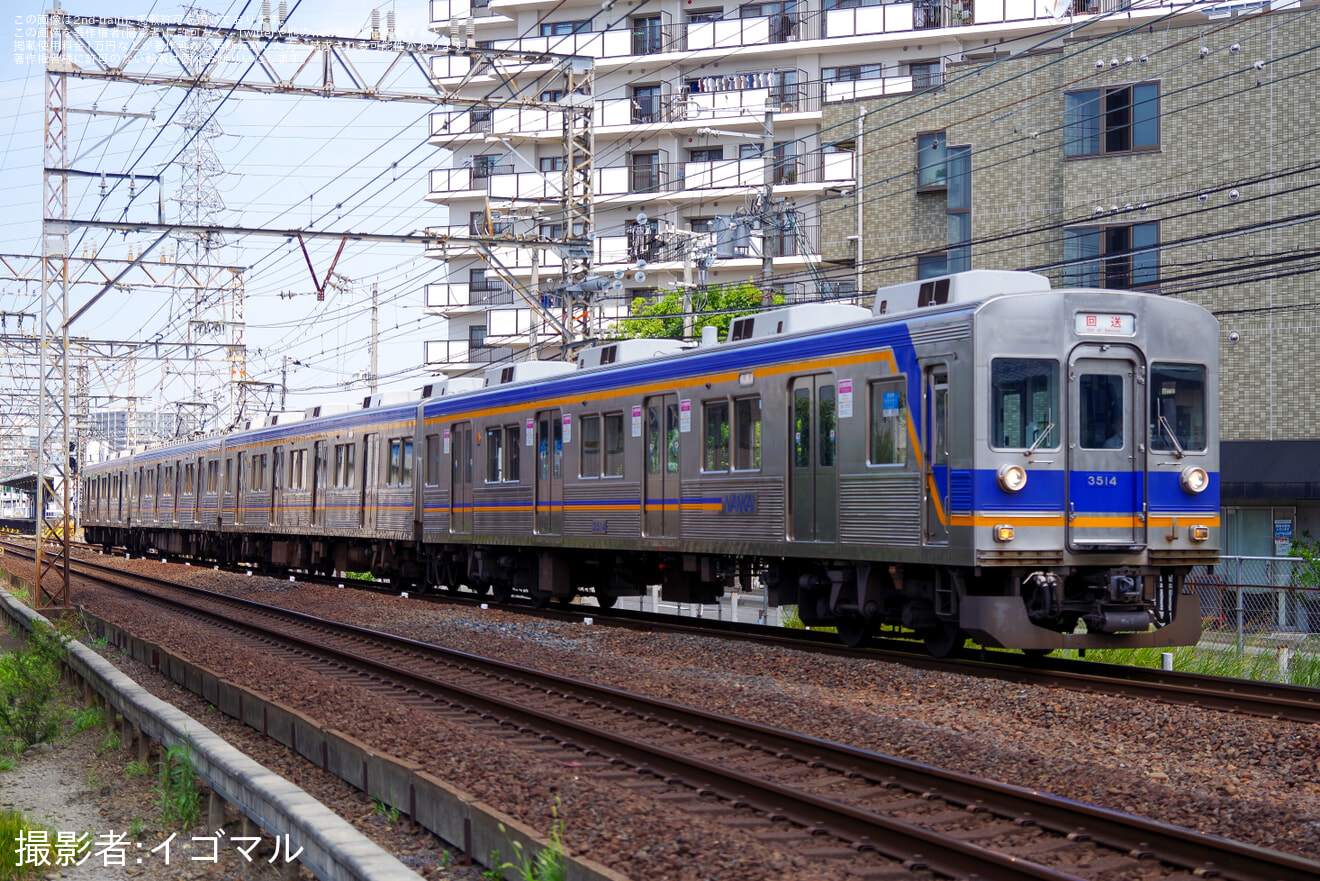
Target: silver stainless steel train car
(977,456)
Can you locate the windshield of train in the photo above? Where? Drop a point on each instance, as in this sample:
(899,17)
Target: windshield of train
(1024,403)
(1177,407)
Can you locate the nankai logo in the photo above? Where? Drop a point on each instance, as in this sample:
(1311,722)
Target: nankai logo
(740,503)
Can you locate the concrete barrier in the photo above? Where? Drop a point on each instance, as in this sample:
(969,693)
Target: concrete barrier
(467,824)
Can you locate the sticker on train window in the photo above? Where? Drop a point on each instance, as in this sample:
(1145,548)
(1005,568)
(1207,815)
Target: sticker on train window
(1105,324)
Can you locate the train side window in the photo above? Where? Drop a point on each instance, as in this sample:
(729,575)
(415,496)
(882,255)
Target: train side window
(889,422)
(1177,407)
(715,449)
(747,434)
(433,459)
(297,469)
(828,418)
(276,461)
(512,445)
(229,474)
(1024,403)
(494,454)
(613,445)
(259,472)
(589,429)
(396,461)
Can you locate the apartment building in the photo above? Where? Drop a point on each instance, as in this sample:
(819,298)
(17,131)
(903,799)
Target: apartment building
(1175,160)
(713,162)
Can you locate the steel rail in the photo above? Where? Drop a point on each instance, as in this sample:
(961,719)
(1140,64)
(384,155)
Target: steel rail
(1140,836)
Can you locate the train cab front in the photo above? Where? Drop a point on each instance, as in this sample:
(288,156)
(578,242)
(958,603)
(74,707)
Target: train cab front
(1135,473)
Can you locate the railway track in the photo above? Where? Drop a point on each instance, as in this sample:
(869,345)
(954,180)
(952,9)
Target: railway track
(1270,700)
(873,815)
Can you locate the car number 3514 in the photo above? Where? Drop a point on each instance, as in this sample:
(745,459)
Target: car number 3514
(1102,480)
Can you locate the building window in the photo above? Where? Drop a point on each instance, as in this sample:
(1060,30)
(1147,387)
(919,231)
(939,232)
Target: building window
(932,161)
(484,166)
(706,154)
(1121,119)
(564,28)
(548,164)
(477,336)
(647,36)
(1119,256)
(851,73)
(645,104)
(482,119)
(645,169)
(926,74)
(552,95)
(701,15)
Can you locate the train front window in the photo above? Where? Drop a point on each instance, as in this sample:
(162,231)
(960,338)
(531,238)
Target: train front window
(1177,407)
(1024,403)
(1101,423)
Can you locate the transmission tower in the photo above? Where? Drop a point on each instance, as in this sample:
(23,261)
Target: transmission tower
(210,399)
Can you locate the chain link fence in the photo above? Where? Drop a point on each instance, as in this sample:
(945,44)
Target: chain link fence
(1254,596)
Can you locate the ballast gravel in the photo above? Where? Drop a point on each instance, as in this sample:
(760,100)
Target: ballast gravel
(1240,777)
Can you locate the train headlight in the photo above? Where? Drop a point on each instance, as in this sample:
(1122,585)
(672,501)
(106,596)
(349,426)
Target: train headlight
(1011,478)
(1194,480)
(1003,532)
(1199,533)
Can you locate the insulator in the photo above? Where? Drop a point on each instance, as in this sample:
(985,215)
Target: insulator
(284,13)
(389,25)
(375,24)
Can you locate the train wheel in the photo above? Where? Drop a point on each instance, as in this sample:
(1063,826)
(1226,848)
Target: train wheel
(853,631)
(605,600)
(942,640)
(500,592)
(1037,654)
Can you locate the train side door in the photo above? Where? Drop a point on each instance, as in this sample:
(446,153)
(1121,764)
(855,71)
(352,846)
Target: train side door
(197,490)
(1105,492)
(460,479)
(935,455)
(318,483)
(813,458)
(662,491)
(240,492)
(549,473)
(370,478)
(276,483)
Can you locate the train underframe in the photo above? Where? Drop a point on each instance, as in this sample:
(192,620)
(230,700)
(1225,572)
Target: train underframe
(1030,608)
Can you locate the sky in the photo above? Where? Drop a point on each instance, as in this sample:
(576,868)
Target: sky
(285,162)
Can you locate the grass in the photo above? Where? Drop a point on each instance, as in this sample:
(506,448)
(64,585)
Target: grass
(31,710)
(177,788)
(547,864)
(1258,661)
(389,812)
(87,717)
(136,769)
(14,864)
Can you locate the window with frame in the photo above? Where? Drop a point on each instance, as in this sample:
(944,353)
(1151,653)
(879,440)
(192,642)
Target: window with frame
(477,336)
(297,469)
(212,475)
(889,422)
(512,452)
(747,434)
(345,465)
(932,160)
(495,455)
(715,442)
(485,166)
(401,465)
(169,480)
(1177,407)
(1115,119)
(613,445)
(702,15)
(564,28)
(851,73)
(550,164)
(1112,256)
(706,154)
(1024,403)
(229,473)
(589,440)
(259,472)
(433,460)
(188,473)
(276,465)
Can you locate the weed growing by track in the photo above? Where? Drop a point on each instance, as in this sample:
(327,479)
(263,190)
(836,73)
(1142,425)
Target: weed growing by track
(31,709)
(1259,661)
(177,788)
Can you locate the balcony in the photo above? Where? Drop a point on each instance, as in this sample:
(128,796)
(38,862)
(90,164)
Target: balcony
(795,240)
(676,177)
(444,11)
(459,352)
(451,299)
(478,121)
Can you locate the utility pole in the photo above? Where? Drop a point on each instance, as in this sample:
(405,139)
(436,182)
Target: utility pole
(375,337)
(767,209)
(284,381)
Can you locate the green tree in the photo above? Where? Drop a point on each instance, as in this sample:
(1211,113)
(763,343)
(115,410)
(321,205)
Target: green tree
(715,306)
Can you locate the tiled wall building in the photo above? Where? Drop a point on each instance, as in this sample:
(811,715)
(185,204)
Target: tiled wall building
(1177,157)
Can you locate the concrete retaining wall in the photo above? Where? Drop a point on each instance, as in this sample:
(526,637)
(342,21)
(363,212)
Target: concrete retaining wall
(333,850)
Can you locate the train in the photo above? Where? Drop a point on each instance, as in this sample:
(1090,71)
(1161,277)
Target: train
(977,456)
